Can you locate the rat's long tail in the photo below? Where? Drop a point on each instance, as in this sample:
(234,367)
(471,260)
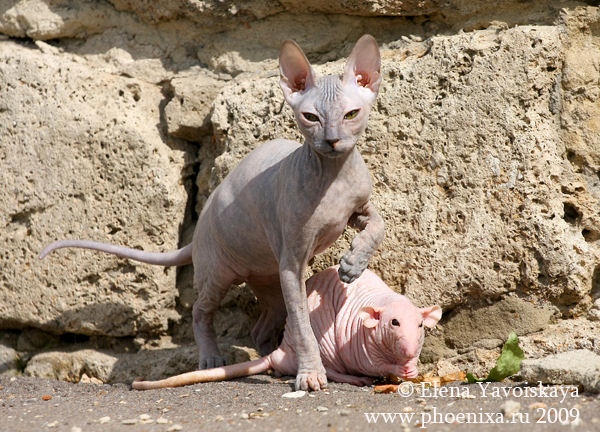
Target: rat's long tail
(173,258)
(206,375)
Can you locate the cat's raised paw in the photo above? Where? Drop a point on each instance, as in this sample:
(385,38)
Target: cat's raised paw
(349,269)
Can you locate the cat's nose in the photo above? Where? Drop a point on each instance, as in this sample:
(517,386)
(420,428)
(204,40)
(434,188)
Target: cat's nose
(332,142)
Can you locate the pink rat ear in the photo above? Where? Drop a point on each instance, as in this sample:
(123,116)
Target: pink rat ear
(364,63)
(370,315)
(431,315)
(296,73)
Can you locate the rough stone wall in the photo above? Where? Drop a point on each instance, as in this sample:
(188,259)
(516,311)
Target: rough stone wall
(118,118)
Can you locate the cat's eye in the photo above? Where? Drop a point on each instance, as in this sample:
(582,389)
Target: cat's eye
(395,322)
(351,114)
(421,325)
(310,117)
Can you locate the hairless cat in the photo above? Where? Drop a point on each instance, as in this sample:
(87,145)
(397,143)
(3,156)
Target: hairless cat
(284,203)
(364,330)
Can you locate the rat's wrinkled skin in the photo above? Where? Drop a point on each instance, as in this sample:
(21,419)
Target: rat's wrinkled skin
(283,204)
(364,329)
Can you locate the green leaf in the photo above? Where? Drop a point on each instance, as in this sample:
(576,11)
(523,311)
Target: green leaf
(509,362)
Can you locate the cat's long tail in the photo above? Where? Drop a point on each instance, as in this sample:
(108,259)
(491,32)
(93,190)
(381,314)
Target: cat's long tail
(206,375)
(177,257)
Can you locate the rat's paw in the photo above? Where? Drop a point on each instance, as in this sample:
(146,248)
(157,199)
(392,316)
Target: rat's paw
(351,268)
(211,362)
(311,381)
(360,381)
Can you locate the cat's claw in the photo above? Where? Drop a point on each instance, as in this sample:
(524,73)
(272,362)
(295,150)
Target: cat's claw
(311,381)
(351,269)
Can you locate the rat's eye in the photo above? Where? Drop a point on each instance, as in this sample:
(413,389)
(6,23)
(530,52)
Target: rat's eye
(310,117)
(421,325)
(395,322)
(351,114)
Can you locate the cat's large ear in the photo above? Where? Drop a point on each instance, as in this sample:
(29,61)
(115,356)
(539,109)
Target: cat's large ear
(296,74)
(363,66)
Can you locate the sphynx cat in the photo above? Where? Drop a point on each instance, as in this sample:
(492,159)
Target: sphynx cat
(364,330)
(284,203)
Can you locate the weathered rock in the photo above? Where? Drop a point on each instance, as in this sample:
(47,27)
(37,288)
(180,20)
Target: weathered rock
(483,149)
(211,13)
(32,340)
(81,156)
(220,12)
(39,19)
(187,113)
(70,366)
(565,335)
(113,367)
(464,146)
(578,368)
(8,360)
(495,321)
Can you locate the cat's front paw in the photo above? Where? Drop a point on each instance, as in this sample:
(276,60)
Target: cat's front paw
(351,268)
(311,380)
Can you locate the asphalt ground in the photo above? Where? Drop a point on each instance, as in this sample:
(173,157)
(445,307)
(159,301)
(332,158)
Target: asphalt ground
(257,404)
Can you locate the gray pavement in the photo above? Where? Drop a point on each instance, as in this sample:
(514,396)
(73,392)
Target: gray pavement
(257,404)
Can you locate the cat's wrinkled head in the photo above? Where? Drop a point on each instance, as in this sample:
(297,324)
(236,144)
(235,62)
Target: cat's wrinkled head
(331,111)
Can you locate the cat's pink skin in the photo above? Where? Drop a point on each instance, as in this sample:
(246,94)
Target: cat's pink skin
(364,330)
(283,204)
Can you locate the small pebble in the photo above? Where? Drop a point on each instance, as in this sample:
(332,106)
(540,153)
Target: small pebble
(162,420)
(294,395)
(53,424)
(322,409)
(104,420)
(510,408)
(131,421)
(175,427)
(244,415)
(344,412)
(146,419)
(76,429)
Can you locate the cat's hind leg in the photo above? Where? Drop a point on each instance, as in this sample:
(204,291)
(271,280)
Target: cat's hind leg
(269,327)
(211,291)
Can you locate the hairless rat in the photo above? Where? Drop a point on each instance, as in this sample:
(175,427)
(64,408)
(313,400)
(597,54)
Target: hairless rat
(364,330)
